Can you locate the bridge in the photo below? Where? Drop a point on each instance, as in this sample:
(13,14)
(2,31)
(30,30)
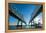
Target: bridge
(17,15)
(20,17)
(36,12)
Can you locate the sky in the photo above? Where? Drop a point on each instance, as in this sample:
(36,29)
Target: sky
(25,9)
(38,18)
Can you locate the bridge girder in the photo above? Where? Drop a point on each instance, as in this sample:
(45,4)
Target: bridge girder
(15,16)
(36,13)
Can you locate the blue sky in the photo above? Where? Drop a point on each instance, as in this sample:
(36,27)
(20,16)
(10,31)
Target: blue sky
(25,9)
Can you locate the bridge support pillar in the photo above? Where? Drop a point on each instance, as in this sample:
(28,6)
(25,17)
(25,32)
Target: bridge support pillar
(19,24)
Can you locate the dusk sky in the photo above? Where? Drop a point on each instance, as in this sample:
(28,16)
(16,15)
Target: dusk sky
(25,9)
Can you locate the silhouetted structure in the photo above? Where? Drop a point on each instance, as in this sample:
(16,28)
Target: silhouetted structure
(15,14)
(35,14)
